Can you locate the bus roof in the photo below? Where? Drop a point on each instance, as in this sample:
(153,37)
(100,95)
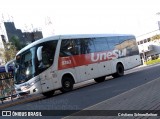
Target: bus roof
(91,35)
(70,36)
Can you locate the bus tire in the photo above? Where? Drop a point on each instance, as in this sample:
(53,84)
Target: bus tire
(67,84)
(100,79)
(49,93)
(120,71)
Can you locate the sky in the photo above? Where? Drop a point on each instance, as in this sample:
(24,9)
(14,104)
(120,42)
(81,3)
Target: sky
(83,16)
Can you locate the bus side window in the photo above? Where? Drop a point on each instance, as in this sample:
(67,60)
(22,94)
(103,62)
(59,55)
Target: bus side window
(113,42)
(101,44)
(87,46)
(69,47)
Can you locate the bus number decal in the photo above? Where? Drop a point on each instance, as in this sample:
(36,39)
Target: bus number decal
(66,62)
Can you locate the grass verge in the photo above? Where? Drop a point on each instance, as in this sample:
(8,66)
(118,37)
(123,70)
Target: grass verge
(152,61)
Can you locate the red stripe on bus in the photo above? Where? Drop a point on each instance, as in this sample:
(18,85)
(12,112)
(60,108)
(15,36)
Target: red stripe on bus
(85,59)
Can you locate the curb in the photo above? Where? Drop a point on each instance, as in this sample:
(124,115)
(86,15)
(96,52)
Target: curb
(21,101)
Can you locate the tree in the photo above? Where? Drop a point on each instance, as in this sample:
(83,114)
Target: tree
(1,52)
(9,51)
(156,37)
(1,56)
(16,42)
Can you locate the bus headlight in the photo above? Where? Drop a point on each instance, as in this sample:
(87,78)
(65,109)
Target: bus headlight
(33,82)
(26,87)
(29,85)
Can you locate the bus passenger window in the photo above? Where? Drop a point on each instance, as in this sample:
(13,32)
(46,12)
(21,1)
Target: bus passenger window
(87,46)
(113,42)
(101,44)
(70,47)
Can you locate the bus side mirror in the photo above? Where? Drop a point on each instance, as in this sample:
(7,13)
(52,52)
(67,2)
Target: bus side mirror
(39,53)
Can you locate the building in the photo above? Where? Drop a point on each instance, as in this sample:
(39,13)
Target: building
(148,48)
(3,38)
(1,51)
(12,31)
(24,37)
(8,31)
(29,37)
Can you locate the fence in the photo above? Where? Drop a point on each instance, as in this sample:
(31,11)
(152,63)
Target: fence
(7,89)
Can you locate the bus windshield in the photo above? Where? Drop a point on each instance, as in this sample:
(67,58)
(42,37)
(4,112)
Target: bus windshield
(25,66)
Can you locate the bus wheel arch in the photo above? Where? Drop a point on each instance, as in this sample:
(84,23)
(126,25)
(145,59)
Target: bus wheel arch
(119,70)
(67,83)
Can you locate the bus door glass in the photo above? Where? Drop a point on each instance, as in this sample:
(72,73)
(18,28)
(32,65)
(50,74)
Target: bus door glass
(45,65)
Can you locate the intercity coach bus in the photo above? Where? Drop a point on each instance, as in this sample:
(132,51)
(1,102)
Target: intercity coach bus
(59,62)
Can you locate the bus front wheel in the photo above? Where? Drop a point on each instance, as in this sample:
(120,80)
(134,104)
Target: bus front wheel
(119,72)
(67,84)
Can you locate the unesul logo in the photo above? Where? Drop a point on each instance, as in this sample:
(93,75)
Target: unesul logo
(107,55)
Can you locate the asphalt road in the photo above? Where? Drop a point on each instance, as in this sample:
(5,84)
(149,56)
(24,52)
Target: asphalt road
(94,93)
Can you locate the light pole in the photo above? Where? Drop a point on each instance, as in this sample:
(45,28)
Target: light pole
(143,54)
(158,14)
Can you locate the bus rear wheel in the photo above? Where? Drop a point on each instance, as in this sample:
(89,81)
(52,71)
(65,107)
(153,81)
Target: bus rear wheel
(67,85)
(119,72)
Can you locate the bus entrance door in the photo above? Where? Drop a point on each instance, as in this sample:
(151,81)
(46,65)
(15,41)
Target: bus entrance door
(46,81)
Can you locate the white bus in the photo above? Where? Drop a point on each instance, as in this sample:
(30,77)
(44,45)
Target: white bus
(60,61)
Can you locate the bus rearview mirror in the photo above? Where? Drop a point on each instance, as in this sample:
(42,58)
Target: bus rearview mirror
(39,53)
